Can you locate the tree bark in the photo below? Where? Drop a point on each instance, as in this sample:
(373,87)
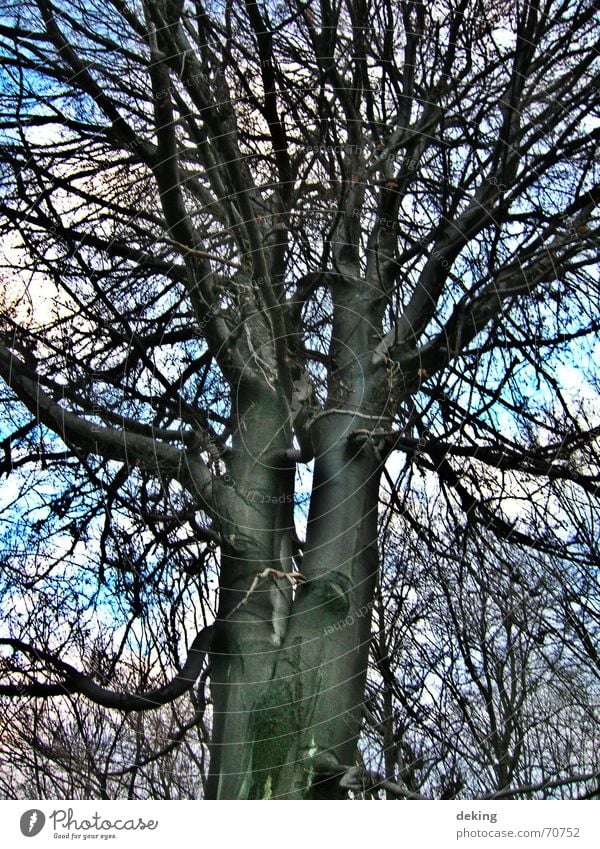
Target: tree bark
(256,518)
(322,669)
(287,711)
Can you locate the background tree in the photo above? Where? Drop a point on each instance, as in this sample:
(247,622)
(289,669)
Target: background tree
(272,252)
(70,748)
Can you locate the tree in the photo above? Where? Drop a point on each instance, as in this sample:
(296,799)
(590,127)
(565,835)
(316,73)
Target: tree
(283,261)
(480,687)
(71,748)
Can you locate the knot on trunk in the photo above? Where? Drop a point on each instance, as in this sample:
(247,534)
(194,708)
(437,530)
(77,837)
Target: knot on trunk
(332,593)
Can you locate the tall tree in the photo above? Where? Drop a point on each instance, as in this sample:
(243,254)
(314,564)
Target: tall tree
(272,252)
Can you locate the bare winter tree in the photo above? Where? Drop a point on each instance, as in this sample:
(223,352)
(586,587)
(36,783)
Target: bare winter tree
(480,686)
(269,266)
(70,748)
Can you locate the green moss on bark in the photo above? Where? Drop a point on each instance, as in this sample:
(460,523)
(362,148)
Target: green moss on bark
(275,728)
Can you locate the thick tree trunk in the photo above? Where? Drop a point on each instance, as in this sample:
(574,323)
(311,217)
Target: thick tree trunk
(288,700)
(256,520)
(287,712)
(316,698)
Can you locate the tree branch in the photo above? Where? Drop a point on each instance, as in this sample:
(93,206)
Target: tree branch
(131,448)
(547,784)
(75,681)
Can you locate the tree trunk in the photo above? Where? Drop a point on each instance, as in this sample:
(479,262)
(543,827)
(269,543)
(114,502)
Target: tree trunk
(322,669)
(286,713)
(256,518)
(288,700)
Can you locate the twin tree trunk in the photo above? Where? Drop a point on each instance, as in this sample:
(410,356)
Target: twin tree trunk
(288,667)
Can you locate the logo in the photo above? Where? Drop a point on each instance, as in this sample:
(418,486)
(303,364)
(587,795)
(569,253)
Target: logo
(32,822)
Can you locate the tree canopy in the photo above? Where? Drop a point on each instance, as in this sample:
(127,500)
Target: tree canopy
(299,338)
